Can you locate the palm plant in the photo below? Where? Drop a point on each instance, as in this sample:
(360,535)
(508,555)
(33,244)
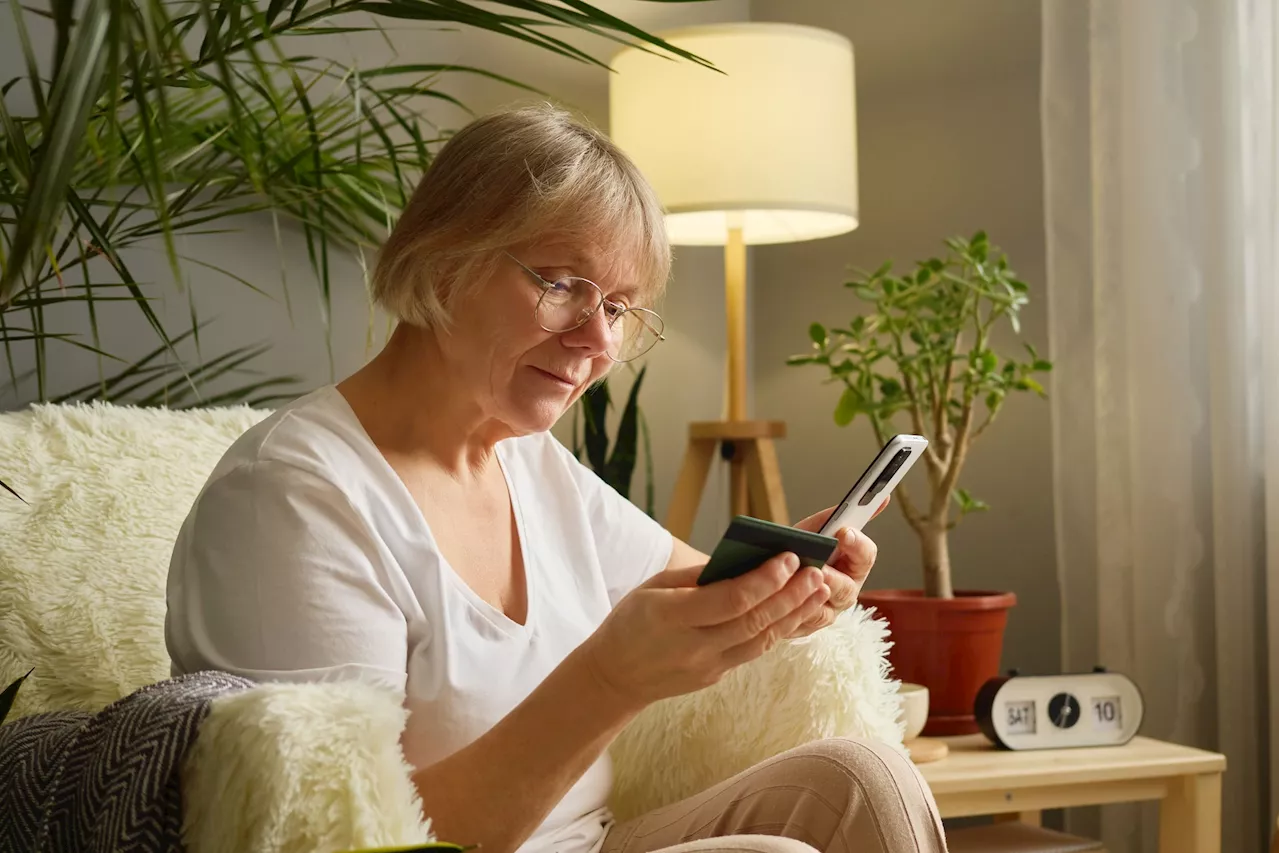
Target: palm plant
(156,119)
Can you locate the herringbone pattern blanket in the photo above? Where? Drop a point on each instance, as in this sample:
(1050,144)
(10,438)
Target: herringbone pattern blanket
(79,782)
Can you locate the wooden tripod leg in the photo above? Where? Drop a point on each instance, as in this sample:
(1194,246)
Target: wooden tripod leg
(689,484)
(768,501)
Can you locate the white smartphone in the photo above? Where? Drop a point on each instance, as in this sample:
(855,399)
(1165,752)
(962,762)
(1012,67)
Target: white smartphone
(876,483)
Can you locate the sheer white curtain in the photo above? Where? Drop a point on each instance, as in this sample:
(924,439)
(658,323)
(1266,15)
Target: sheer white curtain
(1159,126)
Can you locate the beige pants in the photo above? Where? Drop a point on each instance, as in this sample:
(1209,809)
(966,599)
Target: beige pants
(836,796)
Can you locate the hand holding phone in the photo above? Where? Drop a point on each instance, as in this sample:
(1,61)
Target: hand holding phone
(750,541)
(876,483)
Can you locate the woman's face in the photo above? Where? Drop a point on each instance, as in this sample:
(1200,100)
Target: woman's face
(523,375)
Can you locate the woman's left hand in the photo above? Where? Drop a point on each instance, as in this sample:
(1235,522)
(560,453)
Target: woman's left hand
(846,572)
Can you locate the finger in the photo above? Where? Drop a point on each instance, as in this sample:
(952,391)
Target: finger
(724,601)
(760,619)
(882,506)
(813,523)
(826,615)
(822,619)
(778,631)
(844,589)
(855,555)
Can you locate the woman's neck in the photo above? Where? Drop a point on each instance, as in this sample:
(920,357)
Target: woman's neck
(413,406)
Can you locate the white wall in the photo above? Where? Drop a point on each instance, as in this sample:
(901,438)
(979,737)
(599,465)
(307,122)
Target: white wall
(949,142)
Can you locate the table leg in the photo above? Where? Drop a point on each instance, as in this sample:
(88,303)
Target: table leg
(1191,816)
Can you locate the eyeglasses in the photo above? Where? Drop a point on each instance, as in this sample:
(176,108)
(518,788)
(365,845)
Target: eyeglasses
(568,303)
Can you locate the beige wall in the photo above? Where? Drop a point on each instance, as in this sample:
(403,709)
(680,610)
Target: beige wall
(949,142)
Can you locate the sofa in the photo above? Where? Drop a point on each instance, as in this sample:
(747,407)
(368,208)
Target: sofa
(294,767)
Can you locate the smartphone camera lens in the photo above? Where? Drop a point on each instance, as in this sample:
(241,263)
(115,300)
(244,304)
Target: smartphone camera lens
(885,476)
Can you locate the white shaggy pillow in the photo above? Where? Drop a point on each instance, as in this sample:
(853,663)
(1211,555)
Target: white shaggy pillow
(83,564)
(834,683)
(301,768)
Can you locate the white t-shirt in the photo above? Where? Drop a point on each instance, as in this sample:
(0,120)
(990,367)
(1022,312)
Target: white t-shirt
(306,559)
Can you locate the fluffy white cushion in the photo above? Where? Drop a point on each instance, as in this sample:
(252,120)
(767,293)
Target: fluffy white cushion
(301,768)
(83,565)
(832,684)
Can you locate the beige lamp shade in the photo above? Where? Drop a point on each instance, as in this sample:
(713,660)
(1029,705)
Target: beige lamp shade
(768,146)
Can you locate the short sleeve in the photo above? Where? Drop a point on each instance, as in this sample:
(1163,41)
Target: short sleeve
(275,576)
(632,546)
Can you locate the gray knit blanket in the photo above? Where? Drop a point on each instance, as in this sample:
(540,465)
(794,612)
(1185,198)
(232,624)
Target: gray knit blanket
(79,782)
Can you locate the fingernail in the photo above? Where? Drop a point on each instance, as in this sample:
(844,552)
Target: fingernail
(792,562)
(848,537)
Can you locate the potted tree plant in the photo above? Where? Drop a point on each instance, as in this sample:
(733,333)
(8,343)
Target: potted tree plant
(922,356)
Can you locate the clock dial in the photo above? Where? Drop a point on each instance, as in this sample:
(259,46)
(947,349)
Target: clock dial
(1064,710)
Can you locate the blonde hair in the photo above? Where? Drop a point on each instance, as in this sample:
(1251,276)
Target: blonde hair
(509,179)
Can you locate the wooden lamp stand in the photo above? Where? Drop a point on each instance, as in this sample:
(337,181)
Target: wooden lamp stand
(754,478)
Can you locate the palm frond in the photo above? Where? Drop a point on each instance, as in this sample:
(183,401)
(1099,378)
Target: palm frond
(166,118)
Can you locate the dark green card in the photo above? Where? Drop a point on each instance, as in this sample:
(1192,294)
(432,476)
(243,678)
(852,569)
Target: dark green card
(750,541)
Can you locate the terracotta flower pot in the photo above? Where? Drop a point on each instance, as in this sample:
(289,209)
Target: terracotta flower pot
(950,645)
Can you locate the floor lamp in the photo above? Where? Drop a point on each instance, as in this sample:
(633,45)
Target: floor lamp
(762,149)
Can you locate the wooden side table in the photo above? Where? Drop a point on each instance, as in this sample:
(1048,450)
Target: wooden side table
(978,779)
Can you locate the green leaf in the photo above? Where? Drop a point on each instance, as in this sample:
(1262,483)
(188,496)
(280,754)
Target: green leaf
(848,407)
(994,399)
(890,387)
(622,461)
(10,694)
(968,503)
(1019,286)
(9,489)
(75,94)
(987,361)
(818,334)
(1026,383)
(1041,366)
(795,360)
(595,435)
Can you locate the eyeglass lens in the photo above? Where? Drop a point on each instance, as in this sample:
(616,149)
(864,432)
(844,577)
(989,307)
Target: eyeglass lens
(570,302)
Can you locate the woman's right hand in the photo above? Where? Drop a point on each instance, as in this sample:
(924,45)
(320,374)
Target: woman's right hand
(671,636)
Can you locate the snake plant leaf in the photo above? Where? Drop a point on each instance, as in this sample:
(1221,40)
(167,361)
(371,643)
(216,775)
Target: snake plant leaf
(622,461)
(595,435)
(9,489)
(10,693)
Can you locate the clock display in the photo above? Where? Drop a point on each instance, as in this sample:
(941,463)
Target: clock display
(1064,710)
(1106,713)
(1084,709)
(1020,718)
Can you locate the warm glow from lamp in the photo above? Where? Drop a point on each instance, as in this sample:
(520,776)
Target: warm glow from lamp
(767,146)
(761,149)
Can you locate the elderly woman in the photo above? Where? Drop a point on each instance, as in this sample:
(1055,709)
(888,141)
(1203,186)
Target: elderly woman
(417,526)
